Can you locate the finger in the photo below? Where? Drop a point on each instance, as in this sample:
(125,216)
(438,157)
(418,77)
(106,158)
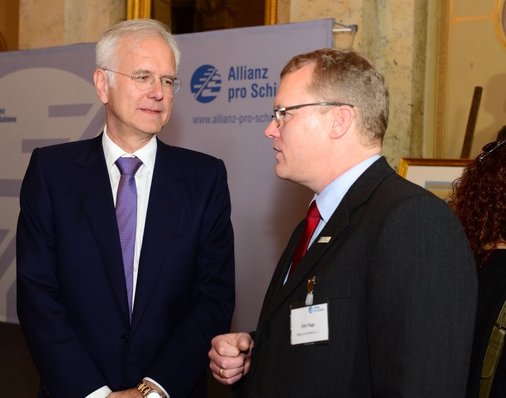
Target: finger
(227,350)
(227,376)
(224,345)
(229,381)
(227,368)
(245,343)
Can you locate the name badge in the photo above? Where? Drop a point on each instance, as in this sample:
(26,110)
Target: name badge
(309,324)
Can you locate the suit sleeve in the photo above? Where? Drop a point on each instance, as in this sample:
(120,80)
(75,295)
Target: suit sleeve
(59,356)
(422,299)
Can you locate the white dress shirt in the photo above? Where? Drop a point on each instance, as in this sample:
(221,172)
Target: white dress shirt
(143,178)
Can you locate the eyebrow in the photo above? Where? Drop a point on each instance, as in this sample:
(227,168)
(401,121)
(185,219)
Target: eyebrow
(139,71)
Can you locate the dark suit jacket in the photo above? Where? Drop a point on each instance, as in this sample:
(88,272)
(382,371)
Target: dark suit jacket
(400,283)
(72,301)
(491,297)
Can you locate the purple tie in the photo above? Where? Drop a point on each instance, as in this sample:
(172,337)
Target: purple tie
(126,215)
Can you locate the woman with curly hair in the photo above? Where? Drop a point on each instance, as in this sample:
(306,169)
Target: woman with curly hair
(479,199)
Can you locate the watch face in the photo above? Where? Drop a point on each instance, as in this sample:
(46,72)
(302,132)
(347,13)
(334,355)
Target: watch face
(153,394)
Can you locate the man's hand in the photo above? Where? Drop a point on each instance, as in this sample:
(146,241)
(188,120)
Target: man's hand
(230,356)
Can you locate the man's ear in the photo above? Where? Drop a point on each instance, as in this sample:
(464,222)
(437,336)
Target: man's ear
(342,119)
(101,84)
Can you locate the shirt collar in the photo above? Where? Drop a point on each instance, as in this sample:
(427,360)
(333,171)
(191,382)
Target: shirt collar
(328,200)
(112,152)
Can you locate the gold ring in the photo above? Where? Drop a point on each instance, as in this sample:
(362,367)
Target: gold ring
(221,372)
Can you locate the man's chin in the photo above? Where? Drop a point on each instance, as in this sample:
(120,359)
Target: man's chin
(281,173)
(152,130)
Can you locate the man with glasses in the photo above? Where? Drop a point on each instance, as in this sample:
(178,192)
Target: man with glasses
(375,294)
(125,259)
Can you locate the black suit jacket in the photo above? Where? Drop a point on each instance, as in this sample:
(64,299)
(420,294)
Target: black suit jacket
(72,301)
(399,280)
(491,297)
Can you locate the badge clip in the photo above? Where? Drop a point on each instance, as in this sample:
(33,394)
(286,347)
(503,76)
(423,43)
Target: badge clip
(310,288)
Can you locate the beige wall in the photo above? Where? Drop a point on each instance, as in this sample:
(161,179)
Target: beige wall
(57,22)
(472,53)
(432,54)
(392,34)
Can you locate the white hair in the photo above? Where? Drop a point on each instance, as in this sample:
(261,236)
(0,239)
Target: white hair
(136,29)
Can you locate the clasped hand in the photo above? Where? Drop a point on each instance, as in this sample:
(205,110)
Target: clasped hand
(230,356)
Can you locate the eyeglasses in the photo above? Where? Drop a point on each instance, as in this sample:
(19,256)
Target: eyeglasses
(144,81)
(489,148)
(279,113)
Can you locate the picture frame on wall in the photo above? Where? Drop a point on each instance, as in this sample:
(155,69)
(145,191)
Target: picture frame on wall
(435,175)
(163,10)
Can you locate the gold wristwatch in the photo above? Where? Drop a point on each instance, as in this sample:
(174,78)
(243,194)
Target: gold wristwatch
(147,391)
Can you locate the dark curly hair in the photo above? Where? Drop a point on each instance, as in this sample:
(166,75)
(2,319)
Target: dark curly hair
(479,200)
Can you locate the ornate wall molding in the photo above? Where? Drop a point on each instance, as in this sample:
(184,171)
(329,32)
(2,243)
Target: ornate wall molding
(441,78)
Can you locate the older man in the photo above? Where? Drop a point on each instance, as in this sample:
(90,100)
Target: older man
(125,262)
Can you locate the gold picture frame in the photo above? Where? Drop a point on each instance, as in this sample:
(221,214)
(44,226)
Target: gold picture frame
(138,9)
(142,9)
(435,175)
(271,12)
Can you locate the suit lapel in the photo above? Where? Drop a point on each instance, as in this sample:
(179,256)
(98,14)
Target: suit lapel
(279,293)
(94,189)
(356,196)
(161,221)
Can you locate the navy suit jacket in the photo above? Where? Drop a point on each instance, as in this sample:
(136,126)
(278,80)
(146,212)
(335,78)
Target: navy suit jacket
(399,278)
(72,301)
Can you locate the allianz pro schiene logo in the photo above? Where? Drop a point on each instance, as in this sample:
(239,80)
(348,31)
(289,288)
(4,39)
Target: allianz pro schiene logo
(205,83)
(242,82)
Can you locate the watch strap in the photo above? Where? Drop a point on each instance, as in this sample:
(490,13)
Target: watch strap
(144,389)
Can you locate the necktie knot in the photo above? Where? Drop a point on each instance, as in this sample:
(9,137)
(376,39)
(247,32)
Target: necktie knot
(313,211)
(128,165)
